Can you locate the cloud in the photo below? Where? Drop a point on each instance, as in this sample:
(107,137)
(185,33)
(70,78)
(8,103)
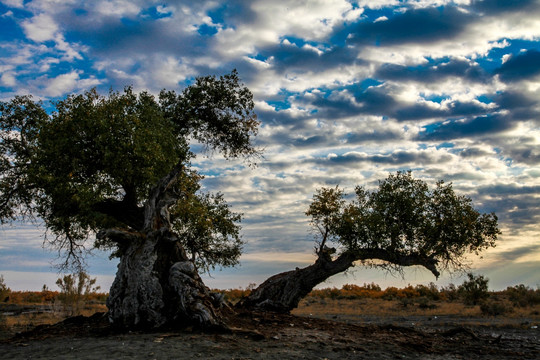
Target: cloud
(14,3)
(519,252)
(40,28)
(478,126)
(496,7)
(396,158)
(520,67)
(413,26)
(434,71)
(67,83)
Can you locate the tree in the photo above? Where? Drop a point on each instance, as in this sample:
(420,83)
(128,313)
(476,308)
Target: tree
(117,168)
(402,223)
(475,289)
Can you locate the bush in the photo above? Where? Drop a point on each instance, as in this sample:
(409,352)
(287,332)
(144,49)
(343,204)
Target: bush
(494,308)
(4,290)
(431,291)
(391,293)
(474,290)
(426,303)
(523,296)
(73,291)
(450,292)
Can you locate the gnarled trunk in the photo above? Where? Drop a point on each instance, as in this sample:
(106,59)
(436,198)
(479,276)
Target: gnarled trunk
(283,292)
(156,284)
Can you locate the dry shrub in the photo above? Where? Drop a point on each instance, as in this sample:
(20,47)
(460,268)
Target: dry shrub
(495,307)
(523,296)
(4,290)
(75,290)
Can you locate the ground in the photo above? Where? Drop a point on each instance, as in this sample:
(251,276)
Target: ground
(259,335)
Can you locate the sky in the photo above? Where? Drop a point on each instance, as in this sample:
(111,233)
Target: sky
(347,92)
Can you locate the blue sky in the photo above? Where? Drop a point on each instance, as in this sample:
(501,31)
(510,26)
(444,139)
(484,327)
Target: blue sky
(346,91)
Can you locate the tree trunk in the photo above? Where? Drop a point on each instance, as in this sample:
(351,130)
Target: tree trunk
(156,284)
(283,292)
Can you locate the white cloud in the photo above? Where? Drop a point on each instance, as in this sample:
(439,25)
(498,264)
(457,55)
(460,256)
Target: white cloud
(118,8)
(8,79)
(66,83)
(14,3)
(169,72)
(309,20)
(40,28)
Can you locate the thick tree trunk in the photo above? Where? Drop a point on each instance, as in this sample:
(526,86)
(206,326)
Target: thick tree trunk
(283,292)
(156,284)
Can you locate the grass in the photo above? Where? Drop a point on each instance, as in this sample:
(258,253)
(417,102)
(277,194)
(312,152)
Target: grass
(13,324)
(395,311)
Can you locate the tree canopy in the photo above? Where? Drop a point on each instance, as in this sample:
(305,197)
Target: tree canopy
(402,218)
(91,163)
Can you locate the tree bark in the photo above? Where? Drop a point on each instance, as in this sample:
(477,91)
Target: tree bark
(283,292)
(156,284)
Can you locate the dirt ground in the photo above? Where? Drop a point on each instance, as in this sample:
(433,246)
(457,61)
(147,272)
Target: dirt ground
(277,336)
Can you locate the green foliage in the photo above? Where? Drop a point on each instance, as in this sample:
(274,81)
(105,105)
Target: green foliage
(91,164)
(207,227)
(325,212)
(474,290)
(74,288)
(215,111)
(405,217)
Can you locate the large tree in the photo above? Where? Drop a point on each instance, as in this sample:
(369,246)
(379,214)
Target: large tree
(117,169)
(402,223)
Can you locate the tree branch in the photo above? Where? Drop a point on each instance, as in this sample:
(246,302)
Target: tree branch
(161,197)
(395,258)
(118,236)
(122,211)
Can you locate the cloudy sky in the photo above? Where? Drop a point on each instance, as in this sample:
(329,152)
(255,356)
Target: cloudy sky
(346,91)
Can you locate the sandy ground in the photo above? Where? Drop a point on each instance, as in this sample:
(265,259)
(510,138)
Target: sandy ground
(274,336)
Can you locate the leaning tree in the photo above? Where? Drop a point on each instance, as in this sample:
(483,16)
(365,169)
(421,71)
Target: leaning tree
(117,169)
(402,223)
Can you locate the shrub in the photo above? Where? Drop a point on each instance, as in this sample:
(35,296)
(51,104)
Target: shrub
(409,292)
(450,292)
(4,290)
(431,291)
(351,291)
(474,290)
(391,293)
(426,303)
(523,296)
(494,308)
(73,289)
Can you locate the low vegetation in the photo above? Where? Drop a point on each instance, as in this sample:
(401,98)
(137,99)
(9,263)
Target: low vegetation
(78,295)
(23,310)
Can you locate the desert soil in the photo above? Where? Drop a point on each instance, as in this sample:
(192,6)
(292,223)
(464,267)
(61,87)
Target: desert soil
(278,336)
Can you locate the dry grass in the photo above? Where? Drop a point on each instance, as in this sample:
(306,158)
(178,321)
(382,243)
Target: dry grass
(385,309)
(13,324)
